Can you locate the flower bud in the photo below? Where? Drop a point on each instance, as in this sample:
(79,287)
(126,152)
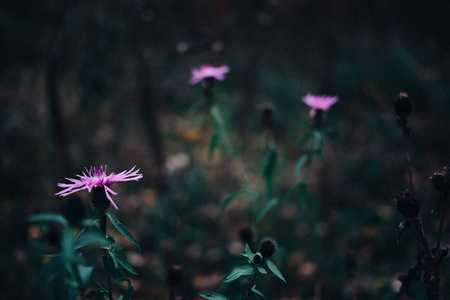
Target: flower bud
(257,258)
(407,204)
(174,275)
(440,180)
(99,199)
(402,105)
(267,248)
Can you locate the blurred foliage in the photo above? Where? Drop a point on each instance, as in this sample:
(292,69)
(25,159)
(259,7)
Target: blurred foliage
(106,82)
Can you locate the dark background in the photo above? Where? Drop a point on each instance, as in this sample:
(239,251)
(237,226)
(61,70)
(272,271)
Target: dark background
(106,82)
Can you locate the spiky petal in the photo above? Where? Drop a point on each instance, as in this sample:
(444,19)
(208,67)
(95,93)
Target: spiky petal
(96,177)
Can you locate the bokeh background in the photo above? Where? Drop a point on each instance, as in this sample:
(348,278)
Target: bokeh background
(106,82)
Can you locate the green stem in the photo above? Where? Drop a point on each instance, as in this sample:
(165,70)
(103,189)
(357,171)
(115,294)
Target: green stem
(247,293)
(443,200)
(103,229)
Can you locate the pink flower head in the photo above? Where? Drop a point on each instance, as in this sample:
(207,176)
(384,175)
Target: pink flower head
(208,71)
(94,178)
(320,102)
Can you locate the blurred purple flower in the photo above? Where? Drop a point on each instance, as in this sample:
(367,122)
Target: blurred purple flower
(320,102)
(94,178)
(208,71)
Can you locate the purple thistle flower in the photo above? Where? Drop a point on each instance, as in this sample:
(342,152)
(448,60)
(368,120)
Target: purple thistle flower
(94,178)
(208,71)
(320,102)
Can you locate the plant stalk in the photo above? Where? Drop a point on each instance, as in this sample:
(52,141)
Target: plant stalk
(103,229)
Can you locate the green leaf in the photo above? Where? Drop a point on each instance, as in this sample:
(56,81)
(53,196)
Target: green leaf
(234,196)
(238,272)
(130,293)
(121,259)
(318,140)
(248,252)
(275,270)
(112,271)
(67,247)
(254,290)
(85,273)
(271,204)
(213,145)
(261,270)
(220,114)
(299,165)
(53,269)
(54,218)
(122,229)
(96,295)
(89,235)
(213,296)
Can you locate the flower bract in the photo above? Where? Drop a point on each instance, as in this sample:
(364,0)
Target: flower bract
(97,178)
(208,71)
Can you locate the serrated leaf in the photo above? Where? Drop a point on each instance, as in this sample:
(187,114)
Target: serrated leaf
(213,296)
(254,290)
(300,163)
(236,195)
(122,229)
(91,235)
(271,204)
(248,252)
(275,270)
(261,270)
(121,259)
(112,271)
(238,272)
(54,218)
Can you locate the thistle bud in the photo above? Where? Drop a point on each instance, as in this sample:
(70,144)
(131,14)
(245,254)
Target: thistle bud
(99,199)
(440,180)
(257,258)
(174,275)
(407,204)
(402,105)
(267,248)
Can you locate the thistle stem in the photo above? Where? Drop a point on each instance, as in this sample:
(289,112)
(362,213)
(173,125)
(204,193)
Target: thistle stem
(443,200)
(408,159)
(247,293)
(103,229)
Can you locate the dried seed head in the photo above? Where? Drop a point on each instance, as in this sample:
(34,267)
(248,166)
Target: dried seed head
(267,248)
(440,180)
(402,105)
(407,204)
(174,275)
